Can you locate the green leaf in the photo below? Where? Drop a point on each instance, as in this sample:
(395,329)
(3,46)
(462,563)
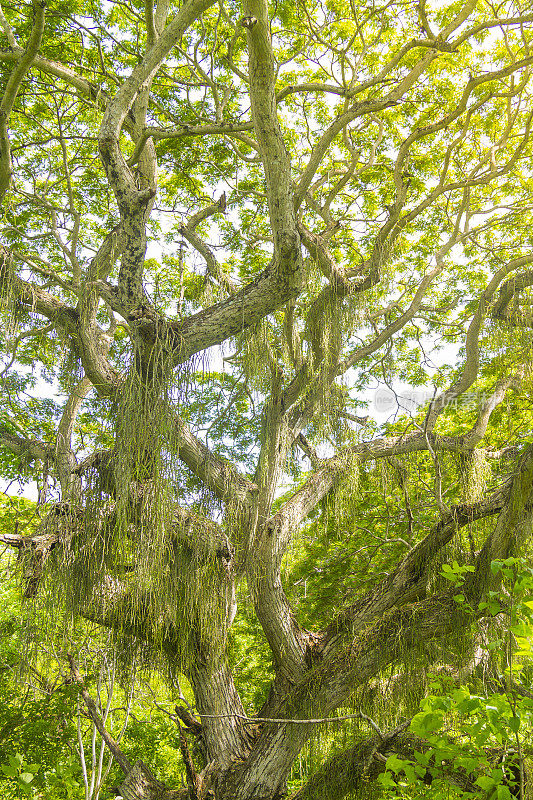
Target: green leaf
(468,764)
(426,722)
(514,724)
(503,793)
(486,782)
(386,780)
(395,764)
(423,758)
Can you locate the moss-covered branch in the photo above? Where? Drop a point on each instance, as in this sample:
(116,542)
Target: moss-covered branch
(14,82)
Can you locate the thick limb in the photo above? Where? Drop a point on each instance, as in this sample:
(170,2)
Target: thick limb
(354,661)
(65,457)
(25,61)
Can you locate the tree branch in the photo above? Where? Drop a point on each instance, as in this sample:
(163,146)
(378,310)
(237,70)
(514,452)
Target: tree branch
(408,581)
(64,455)
(513,529)
(348,772)
(471,366)
(354,661)
(32,449)
(220,475)
(10,94)
(188,231)
(93,348)
(287,262)
(118,755)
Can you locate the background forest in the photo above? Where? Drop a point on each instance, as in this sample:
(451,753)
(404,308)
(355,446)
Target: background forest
(266,427)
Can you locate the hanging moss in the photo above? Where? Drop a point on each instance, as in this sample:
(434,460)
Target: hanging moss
(70,370)
(11,310)
(478,474)
(324,328)
(343,503)
(154,571)
(255,346)
(7,280)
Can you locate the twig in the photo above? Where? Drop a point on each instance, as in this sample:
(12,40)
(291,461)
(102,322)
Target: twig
(93,713)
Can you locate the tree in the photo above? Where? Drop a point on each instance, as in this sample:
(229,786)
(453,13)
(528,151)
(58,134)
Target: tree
(333,194)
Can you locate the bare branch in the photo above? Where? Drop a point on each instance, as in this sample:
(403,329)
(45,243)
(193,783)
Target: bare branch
(64,455)
(119,756)
(188,231)
(471,366)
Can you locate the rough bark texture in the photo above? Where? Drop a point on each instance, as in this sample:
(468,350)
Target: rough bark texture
(317,335)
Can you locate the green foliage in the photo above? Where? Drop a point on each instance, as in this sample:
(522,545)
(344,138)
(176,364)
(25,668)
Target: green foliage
(431,190)
(20,775)
(64,780)
(250,657)
(37,728)
(482,732)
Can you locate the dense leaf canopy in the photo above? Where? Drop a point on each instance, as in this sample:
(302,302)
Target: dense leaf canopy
(266,296)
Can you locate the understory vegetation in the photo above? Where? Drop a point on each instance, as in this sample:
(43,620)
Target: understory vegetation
(266,432)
